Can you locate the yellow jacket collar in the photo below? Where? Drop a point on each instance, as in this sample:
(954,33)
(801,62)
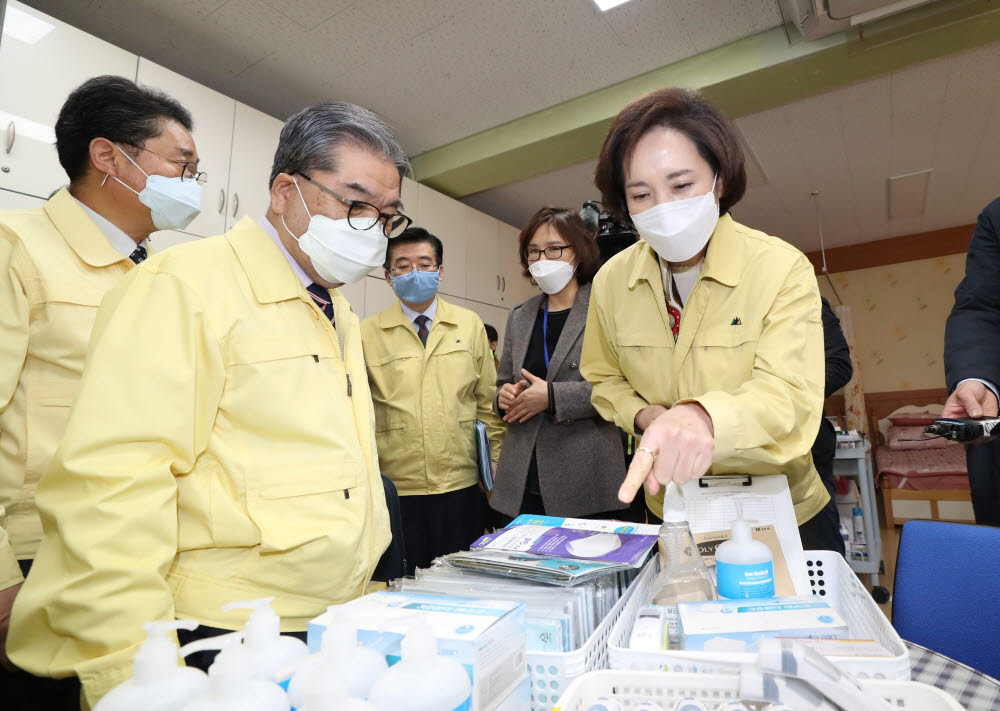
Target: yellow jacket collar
(81,234)
(394,316)
(270,274)
(723,259)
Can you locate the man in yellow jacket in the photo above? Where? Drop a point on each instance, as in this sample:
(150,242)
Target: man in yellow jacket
(432,377)
(56,264)
(222,445)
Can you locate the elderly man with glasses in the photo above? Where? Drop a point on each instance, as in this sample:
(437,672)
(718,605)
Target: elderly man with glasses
(432,377)
(222,447)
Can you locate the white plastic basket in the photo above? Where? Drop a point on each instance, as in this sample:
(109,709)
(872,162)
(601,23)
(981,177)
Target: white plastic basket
(552,672)
(665,689)
(831,578)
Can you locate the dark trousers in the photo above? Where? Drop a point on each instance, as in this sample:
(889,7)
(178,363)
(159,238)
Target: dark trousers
(822,532)
(532,504)
(439,524)
(983,461)
(203,660)
(20,691)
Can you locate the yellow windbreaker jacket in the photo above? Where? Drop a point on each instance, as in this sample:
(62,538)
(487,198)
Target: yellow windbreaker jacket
(221,448)
(427,400)
(55,267)
(749,350)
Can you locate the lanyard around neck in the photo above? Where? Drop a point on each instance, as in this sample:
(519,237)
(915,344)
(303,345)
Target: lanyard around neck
(545,333)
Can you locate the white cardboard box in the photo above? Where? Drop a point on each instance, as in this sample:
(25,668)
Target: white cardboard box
(486,636)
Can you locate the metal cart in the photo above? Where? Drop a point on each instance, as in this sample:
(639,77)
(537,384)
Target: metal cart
(854,459)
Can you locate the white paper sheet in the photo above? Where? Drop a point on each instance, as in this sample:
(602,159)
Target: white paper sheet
(767,501)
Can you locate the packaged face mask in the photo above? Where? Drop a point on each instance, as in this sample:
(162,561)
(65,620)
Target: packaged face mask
(628,548)
(597,545)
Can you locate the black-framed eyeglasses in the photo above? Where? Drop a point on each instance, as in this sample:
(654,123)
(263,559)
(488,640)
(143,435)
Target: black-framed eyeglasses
(407,268)
(363,215)
(189,168)
(553,252)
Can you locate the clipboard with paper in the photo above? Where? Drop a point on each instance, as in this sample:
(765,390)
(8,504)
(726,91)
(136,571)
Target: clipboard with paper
(767,507)
(484,457)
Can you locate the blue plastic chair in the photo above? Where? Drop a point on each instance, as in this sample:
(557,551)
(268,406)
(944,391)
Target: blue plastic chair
(947,591)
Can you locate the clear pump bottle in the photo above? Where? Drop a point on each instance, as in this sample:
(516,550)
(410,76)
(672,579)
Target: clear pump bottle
(683,575)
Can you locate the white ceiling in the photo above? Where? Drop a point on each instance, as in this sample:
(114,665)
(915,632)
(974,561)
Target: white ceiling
(941,114)
(437,70)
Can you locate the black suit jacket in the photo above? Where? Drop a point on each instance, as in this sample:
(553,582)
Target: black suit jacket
(972,334)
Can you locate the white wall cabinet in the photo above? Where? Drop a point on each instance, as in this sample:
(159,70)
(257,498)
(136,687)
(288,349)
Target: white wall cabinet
(355,294)
(14,201)
(255,139)
(41,61)
(445,218)
(212,113)
(514,286)
(482,273)
(378,295)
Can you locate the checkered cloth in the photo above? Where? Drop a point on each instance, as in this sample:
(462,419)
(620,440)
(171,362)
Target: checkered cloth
(973,689)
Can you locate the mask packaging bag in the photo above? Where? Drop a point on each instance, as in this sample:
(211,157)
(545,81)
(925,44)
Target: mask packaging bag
(556,617)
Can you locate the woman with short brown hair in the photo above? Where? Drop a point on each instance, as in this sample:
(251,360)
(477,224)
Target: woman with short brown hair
(705,337)
(559,457)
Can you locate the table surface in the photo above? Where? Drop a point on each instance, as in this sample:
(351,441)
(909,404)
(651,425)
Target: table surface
(973,689)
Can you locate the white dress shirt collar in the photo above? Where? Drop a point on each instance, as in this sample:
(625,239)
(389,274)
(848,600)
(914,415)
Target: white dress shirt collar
(273,234)
(122,243)
(430,312)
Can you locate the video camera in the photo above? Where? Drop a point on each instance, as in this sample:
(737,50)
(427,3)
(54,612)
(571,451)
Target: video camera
(612,237)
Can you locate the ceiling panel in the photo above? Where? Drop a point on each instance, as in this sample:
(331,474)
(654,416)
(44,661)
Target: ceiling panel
(846,144)
(438,70)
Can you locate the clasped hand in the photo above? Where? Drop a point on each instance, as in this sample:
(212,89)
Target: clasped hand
(524,399)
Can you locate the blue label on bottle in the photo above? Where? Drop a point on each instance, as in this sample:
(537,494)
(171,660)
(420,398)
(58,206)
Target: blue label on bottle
(740,582)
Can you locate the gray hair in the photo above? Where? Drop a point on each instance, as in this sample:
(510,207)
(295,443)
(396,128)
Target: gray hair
(308,139)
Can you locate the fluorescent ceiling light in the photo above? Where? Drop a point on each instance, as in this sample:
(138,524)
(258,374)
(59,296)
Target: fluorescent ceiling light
(24,27)
(908,194)
(606,5)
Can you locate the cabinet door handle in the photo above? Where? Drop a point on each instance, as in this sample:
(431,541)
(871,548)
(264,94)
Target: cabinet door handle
(11,135)
(498,282)
(503,288)
(222,200)
(236,203)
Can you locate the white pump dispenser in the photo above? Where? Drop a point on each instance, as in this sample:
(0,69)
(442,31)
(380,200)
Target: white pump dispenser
(159,682)
(424,680)
(231,686)
(744,568)
(330,693)
(265,650)
(340,659)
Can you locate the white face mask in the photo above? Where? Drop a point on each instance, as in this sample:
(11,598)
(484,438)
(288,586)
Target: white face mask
(594,546)
(173,203)
(551,275)
(339,253)
(677,231)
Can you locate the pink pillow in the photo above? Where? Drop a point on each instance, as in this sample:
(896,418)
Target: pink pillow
(913,418)
(899,438)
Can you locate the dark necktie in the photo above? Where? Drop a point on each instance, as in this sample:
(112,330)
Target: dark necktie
(139,255)
(322,298)
(421,322)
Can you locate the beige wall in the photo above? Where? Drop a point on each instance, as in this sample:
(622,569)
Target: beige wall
(899,316)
